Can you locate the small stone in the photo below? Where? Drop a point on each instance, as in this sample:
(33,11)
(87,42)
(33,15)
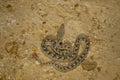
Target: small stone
(13,21)
(89,65)
(36,62)
(46,70)
(44,22)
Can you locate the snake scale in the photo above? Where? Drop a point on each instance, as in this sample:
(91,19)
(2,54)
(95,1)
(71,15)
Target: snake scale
(60,51)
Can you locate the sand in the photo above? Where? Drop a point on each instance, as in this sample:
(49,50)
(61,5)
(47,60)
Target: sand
(24,23)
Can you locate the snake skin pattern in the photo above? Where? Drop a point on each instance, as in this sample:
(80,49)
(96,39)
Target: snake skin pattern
(63,52)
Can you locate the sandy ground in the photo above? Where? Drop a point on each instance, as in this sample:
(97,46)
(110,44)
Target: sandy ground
(24,23)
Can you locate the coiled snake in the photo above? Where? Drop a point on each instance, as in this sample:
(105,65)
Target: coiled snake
(63,52)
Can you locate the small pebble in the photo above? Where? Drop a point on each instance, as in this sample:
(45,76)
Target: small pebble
(36,62)
(89,65)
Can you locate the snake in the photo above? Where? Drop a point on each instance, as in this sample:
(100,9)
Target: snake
(63,55)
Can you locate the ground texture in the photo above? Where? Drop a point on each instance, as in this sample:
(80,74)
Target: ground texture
(24,23)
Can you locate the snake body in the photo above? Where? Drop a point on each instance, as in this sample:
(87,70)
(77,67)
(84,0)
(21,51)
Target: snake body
(62,52)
